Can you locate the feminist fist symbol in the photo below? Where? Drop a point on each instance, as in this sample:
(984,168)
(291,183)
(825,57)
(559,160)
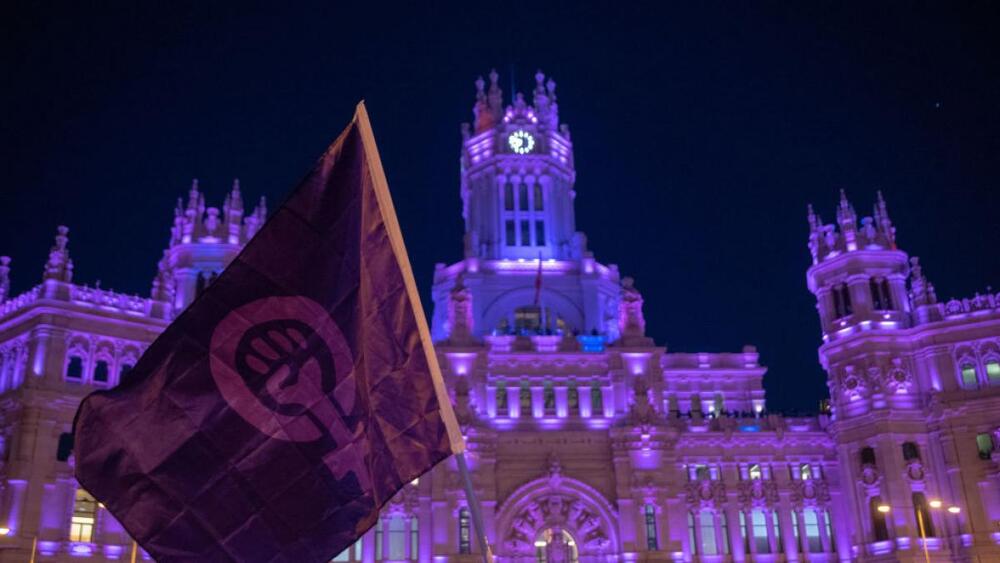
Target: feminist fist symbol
(284,366)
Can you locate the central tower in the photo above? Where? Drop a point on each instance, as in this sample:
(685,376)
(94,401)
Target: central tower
(526,270)
(517,177)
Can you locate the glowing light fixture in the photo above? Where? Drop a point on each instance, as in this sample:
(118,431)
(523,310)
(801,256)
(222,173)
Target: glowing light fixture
(954,509)
(935,503)
(883,508)
(4,531)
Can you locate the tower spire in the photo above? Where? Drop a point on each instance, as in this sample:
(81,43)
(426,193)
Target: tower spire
(848,221)
(59,265)
(882,221)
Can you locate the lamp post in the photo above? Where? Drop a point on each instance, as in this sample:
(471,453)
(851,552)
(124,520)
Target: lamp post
(935,504)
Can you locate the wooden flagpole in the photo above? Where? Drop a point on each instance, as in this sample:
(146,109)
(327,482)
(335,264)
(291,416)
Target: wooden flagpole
(34,547)
(455,438)
(135,548)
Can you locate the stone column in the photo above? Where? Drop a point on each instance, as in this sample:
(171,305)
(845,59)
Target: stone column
(537,401)
(735,535)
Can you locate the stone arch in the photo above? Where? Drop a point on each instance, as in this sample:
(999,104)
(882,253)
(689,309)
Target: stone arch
(556,502)
(505,303)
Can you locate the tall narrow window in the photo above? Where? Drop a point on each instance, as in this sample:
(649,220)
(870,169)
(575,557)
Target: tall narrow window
(539,233)
(379,539)
(880,532)
(922,514)
(397,538)
(969,379)
(538,197)
(886,295)
(525,232)
(81,528)
(876,292)
(813,541)
(846,299)
(596,400)
(522,197)
(508,197)
(743,532)
(993,372)
(464,535)
(777,531)
(510,235)
(910,451)
(573,398)
(64,448)
(123,372)
(758,519)
(706,524)
(74,369)
(101,371)
(652,542)
(549,398)
(724,530)
(829,529)
(524,397)
(984,443)
(502,408)
(414,538)
(795,531)
(692,535)
(838,306)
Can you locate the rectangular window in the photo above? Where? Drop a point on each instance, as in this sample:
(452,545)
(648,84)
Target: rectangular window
(525,233)
(511,234)
(522,197)
(993,372)
(414,538)
(508,197)
(502,409)
(651,541)
(464,535)
(573,398)
(538,197)
(596,400)
(379,540)
(525,399)
(692,537)
(81,528)
(397,538)
(812,531)
(759,521)
(549,397)
(743,532)
(724,530)
(984,443)
(777,531)
(539,233)
(706,523)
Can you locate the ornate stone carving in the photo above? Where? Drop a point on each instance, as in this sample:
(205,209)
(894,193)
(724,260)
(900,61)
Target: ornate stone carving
(810,492)
(757,493)
(705,494)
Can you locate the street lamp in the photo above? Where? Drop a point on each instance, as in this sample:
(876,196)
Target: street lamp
(936,504)
(954,510)
(883,508)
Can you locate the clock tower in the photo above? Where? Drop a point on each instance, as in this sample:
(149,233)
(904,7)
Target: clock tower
(517,177)
(526,271)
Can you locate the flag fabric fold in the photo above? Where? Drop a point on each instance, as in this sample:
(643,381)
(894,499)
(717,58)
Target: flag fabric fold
(274,417)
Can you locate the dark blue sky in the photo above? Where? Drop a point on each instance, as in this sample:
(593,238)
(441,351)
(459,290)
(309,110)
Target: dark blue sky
(700,135)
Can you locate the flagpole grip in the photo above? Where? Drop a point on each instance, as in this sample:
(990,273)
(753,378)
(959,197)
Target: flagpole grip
(474,509)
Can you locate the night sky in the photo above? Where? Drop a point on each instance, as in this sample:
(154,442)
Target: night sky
(700,133)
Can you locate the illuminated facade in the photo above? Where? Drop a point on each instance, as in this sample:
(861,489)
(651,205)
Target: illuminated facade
(588,441)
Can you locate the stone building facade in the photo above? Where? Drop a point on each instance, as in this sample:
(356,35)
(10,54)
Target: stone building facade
(587,440)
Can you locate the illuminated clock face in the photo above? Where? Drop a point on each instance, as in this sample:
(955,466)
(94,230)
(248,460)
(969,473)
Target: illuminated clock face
(521,142)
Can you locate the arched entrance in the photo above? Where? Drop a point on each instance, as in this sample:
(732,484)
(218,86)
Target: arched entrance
(555,545)
(556,520)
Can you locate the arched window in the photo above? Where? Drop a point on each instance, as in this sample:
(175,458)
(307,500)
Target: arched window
(886,295)
(464,534)
(876,292)
(910,451)
(984,443)
(538,199)
(81,527)
(652,542)
(522,197)
(101,371)
(993,372)
(74,368)
(508,197)
(922,514)
(880,532)
(969,378)
(868,456)
(842,301)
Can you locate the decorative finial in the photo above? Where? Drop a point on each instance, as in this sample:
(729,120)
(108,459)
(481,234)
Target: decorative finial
(59,266)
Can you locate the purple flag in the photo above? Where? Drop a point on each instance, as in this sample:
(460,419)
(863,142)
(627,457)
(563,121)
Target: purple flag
(275,416)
